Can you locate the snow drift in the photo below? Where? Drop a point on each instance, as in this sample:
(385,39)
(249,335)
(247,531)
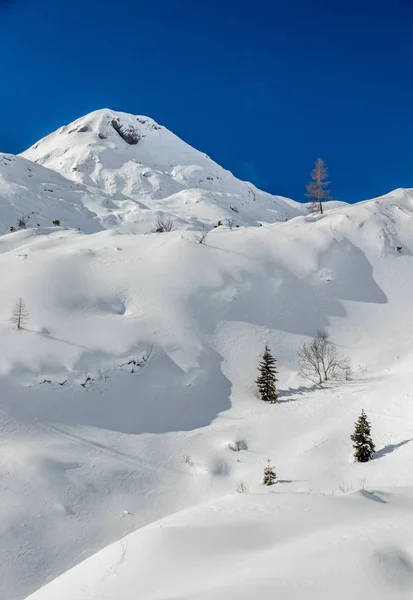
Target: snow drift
(270,546)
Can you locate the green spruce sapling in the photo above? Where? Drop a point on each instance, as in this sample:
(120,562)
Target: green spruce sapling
(361,438)
(266,381)
(270,477)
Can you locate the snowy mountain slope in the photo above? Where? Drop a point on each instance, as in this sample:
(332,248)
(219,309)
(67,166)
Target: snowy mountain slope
(273,545)
(97,442)
(39,196)
(133,157)
(132,287)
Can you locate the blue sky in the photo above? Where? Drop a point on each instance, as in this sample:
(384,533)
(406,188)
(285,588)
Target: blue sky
(263,87)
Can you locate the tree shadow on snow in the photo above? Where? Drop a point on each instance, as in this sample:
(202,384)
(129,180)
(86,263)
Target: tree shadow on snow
(291,480)
(278,299)
(370,495)
(292,394)
(48,335)
(390,448)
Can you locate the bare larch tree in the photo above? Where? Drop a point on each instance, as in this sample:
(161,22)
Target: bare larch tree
(317,189)
(20,314)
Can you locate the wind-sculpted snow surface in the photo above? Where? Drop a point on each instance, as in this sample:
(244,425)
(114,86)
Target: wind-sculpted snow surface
(132,382)
(135,373)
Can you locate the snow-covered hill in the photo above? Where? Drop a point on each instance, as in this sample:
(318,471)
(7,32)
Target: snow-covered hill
(137,368)
(275,545)
(135,372)
(134,160)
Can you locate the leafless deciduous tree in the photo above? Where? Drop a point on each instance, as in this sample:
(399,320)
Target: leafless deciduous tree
(19,315)
(230,223)
(319,360)
(317,189)
(163,226)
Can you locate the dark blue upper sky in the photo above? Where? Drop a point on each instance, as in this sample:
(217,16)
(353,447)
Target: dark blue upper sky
(264,87)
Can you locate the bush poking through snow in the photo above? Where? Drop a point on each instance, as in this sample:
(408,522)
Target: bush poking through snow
(88,382)
(270,477)
(134,363)
(242,488)
(56,222)
(319,360)
(19,315)
(164,226)
(186,459)
(345,488)
(201,237)
(361,438)
(266,381)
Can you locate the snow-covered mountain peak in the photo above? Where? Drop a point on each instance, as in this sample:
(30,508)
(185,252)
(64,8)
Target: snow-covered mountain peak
(132,158)
(105,124)
(100,134)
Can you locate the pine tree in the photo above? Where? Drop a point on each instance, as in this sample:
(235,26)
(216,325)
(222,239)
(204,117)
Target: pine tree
(317,190)
(361,438)
(270,476)
(267,380)
(20,315)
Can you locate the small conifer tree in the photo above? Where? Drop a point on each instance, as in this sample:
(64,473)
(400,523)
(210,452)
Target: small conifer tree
(20,315)
(270,477)
(266,381)
(361,438)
